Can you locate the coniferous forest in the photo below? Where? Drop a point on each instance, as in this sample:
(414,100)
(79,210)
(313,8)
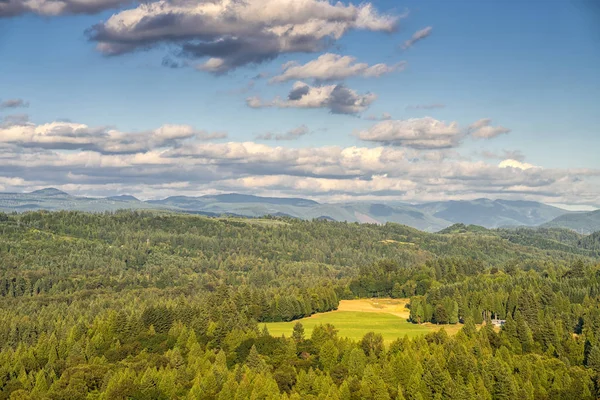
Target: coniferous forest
(148,305)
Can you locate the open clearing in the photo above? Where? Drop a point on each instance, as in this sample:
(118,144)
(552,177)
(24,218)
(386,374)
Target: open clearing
(355,318)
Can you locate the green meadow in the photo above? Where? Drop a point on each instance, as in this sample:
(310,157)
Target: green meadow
(354,325)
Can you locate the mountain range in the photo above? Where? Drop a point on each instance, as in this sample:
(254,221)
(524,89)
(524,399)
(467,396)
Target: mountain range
(431,217)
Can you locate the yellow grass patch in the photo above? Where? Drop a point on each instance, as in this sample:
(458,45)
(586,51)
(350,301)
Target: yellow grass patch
(355,318)
(390,241)
(395,307)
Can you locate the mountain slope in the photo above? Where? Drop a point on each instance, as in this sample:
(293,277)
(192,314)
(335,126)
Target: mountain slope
(399,213)
(245,198)
(53,199)
(493,213)
(582,222)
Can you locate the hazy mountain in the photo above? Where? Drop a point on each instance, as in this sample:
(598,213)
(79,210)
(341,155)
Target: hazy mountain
(430,217)
(245,198)
(49,192)
(255,206)
(493,213)
(123,197)
(54,199)
(582,222)
(185,202)
(400,213)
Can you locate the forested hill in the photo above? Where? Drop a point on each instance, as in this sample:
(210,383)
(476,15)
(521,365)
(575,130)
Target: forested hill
(552,238)
(148,305)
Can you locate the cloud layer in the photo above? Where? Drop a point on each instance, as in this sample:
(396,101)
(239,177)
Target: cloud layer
(73,136)
(179,160)
(11,8)
(383,117)
(338,99)
(432,106)
(293,134)
(333,67)
(428,133)
(484,130)
(417,133)
(233,33)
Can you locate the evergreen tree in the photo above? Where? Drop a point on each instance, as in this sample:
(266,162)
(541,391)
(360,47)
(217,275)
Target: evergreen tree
(328,355)
(298,332)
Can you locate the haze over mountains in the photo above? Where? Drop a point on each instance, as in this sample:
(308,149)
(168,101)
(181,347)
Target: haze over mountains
(430,217)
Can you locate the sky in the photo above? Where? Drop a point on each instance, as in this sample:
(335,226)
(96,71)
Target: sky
(414,101)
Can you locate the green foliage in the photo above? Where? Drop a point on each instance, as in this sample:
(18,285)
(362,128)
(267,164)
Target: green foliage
(137,305)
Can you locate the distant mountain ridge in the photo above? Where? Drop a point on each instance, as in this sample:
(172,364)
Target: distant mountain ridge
(49,192)
(432,217)
(493,213)
(123,197)
(582,222)
(238,198)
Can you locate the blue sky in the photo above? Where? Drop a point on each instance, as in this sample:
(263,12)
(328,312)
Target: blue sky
(531,67)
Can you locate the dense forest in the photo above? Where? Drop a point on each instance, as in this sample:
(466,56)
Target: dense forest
(147,305)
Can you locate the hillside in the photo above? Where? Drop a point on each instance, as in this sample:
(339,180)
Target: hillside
(561,239)
(161,305)
(582,222)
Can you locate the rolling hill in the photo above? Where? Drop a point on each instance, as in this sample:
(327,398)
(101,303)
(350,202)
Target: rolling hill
(431,217)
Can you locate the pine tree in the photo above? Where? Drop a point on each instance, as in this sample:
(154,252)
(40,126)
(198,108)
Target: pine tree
(440,316)
(372,344)
(356,362)
(593,359)
(453,313)
(524,333)
(298,332)
(255,362)
(328,355)
(469,328)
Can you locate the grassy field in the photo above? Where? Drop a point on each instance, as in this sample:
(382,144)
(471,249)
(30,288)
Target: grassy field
(355,318)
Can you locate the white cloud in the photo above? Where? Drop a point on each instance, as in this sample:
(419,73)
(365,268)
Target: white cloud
(73,136)
(427,133)
(483,129)
(337,98)
(214,64)
(383,117)
(232,33)
(328,67)
(516,164)
(292,134)
(431,106)
(417,36)
(9,8)
(418,133)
